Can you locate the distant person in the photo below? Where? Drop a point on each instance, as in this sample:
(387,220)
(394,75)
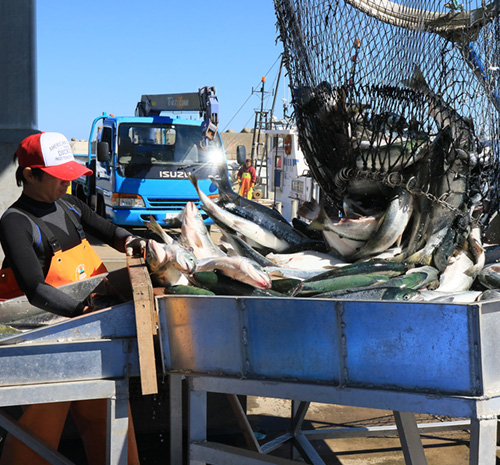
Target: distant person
(247,177)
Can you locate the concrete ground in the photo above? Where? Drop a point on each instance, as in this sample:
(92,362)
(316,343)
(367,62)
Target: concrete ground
(441,448)
(269,417)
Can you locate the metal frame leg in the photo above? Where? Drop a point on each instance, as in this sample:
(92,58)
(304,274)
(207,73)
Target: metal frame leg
(176,443)
(117,429)
(197,430)
(243,423)
(483,442)
(411,443)
(300,442)
(32,441)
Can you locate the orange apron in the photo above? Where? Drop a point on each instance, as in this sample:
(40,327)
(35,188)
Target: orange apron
(72,265)
(246,188)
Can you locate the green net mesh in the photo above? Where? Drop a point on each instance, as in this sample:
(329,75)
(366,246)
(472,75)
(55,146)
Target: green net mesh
(392,96)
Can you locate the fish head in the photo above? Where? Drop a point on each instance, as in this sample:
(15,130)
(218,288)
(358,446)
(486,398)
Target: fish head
(257,274)
(192,223)
(193,216)
(395,293)
(155,254)
(184,260)
(187,214)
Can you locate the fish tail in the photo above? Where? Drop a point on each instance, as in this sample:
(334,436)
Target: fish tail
(153,225)
(316,225)
(308,210)
(222,182)
(297,289)
(194,180)
(417,81)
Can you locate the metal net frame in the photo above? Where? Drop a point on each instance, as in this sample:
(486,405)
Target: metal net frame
(398,96)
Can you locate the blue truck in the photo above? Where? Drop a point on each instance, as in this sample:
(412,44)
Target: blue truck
(141,163)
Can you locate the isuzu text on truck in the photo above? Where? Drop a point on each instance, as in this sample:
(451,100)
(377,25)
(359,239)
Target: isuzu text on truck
(141,162)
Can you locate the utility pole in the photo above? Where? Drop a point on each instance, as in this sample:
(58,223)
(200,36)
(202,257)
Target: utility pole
(261,122)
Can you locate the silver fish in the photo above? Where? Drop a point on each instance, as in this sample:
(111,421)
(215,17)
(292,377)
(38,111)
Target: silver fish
(194,234)
(254,232)
(489,276)
(394,293)
(361,186)
(450,187)
(361,293)
(240,268)
(477,250)
(452,240)
(341,246)
(169,263)
(450,296)
(240,247)
(391,228)
(489,294)
(492,251)
(432,275)
(153,225)
(443,114)
(248,207)
(456,277)
(424,256)
(309,210)
(391,254)
(392,155)
(277,272)
(306,260)
(357,229)
(324,286)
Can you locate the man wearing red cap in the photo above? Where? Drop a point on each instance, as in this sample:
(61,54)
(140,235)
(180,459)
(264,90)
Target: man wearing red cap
(43,232)
(43,238)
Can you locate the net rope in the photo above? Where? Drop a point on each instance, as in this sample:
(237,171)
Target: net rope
(398,95)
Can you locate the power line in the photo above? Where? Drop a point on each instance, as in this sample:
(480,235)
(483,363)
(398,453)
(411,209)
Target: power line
(248,98)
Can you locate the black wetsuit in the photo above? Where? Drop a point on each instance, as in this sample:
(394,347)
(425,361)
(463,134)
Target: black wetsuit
(28,252)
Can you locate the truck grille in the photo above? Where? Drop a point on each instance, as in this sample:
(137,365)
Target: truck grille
(169,204)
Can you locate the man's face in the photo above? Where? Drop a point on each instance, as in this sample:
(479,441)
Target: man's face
(46,189)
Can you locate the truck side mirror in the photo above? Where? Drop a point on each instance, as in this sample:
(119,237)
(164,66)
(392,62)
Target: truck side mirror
(103,154)
(241,154)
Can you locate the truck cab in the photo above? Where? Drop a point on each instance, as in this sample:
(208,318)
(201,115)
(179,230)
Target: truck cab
(141,166)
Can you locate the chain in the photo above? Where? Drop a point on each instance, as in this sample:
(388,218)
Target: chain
(396,180)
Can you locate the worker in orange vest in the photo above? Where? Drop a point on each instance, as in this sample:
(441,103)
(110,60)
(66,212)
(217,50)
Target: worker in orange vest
(43,238)
(247,177)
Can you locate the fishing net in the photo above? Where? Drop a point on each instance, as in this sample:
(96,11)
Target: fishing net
(398,96)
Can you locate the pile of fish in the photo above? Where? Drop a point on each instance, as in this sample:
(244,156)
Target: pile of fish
(262,254)
(409,226)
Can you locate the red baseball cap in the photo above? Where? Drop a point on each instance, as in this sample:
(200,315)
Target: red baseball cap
(51,152)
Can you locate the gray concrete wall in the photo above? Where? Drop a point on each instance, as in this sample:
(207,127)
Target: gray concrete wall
(18,116)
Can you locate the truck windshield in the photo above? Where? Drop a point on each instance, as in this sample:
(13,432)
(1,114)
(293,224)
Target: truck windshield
(147,144)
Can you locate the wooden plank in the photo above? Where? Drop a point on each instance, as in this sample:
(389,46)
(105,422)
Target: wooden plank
(145,322)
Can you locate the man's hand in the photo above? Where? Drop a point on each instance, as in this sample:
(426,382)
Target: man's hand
(252,184)
(135,246)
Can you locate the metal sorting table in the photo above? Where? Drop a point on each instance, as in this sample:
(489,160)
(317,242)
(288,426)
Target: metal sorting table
(406,357)
(87,357)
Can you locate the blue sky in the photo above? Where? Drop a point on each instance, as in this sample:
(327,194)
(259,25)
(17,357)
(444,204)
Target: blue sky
(101,56)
